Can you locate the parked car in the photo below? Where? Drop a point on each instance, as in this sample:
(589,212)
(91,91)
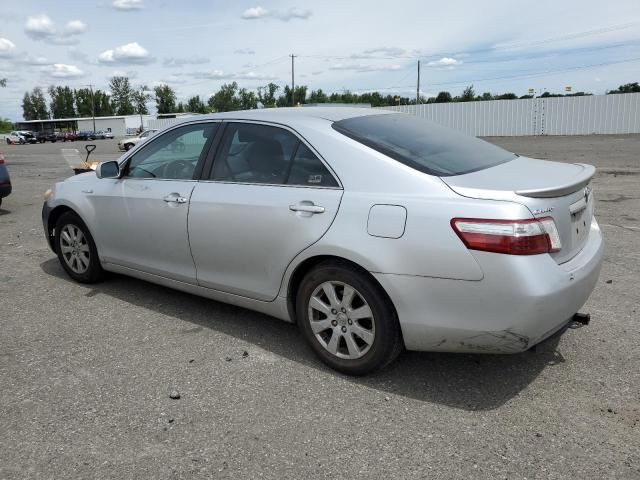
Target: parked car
(29,136)
(128,143)
(103,134)
(5,180)
(373,230)
(85,135)
(15,138)
(68,136)
(43,137)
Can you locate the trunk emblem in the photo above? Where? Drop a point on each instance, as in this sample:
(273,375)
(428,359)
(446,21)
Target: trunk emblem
(540,211)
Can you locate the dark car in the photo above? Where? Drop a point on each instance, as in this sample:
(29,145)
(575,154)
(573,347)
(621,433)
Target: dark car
(86,136)
(5,181)
(43,137)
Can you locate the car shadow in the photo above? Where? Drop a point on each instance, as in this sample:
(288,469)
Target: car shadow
(465,381)
(4,211)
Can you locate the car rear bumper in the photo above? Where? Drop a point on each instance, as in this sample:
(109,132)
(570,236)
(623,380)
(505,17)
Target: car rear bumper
(521,301)
(46,211)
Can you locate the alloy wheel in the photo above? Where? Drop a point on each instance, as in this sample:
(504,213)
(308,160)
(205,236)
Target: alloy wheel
(75,248)
(341,320)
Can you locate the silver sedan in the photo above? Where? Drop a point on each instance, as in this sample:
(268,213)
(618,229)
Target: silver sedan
(374,231)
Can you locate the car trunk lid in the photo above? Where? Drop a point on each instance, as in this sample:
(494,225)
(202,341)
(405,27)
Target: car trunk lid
(548,189)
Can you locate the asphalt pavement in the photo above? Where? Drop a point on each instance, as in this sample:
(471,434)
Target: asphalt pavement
(87,372)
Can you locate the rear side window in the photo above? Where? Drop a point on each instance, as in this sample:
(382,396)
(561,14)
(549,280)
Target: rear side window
(254,153)
(423,145)
(308,170)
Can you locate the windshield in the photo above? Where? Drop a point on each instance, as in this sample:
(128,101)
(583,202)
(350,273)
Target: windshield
(423,145)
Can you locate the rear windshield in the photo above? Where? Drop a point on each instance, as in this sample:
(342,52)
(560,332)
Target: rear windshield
(423,145)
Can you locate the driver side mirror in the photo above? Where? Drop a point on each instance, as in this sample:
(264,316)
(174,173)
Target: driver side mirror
(109,169)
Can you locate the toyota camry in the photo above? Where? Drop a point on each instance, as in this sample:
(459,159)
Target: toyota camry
(374,231)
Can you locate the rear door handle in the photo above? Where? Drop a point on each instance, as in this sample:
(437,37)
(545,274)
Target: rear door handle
(302,207)
(174,198)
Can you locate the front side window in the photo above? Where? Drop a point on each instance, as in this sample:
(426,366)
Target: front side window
(172,155)
(252,153)
(423,145)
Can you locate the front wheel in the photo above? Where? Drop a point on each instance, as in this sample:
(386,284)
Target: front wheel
(347,319)
(128,146)
(76,249)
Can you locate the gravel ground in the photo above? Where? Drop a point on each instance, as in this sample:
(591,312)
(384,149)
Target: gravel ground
(86,373)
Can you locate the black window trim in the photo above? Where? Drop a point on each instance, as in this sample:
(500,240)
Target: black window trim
(214,154)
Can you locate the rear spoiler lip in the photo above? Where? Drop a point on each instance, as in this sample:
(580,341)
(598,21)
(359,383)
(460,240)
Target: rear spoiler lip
(580,181)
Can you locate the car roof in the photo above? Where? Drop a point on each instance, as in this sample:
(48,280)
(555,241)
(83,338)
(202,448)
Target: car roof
(291,115)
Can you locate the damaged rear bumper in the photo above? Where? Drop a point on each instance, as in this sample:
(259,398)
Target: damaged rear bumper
(521,301)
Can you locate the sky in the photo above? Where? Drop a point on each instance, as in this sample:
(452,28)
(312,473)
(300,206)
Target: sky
(196,45)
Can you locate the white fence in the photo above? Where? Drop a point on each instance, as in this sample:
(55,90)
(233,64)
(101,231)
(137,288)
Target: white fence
(598,114)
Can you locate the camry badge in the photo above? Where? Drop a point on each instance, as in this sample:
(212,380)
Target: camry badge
(540,211)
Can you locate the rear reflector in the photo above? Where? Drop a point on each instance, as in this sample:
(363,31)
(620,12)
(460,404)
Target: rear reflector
(512,237)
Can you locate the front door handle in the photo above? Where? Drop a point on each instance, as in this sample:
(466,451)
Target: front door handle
(174,198)
(305,207)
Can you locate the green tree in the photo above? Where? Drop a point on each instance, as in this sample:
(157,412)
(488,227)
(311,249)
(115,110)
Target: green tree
(140,97)
(318,96)
(121,96)
(267,95)
(506,96)
(62,102)
(165,99)
(443,97)
(627,88)
(196,105)
(468,95)
(28,112)
(84,102)
(180,108)
(5,125)
(225,99)
(103,104)
(248,99)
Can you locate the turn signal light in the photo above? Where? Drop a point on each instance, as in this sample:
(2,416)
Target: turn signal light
(511,237)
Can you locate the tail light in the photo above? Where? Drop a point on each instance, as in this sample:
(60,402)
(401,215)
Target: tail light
(512,237)
(1,159)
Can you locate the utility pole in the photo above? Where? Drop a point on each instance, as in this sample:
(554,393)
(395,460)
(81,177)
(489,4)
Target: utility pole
(293,100)
(93,108)
(418,88)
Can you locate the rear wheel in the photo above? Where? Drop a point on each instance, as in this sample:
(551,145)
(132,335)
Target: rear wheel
(76,249)
(347,319)
(128,146)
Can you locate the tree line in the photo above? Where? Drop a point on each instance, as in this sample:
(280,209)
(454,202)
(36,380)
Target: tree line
(123,98)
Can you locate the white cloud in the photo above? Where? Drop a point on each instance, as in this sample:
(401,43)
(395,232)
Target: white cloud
(180,62)
(122,73)
(61,70)
(445,62)
(39,27)
(254,13)
(221,75)
(244,51)
(75,27)
(130,53)
(7,48)
(295,13)
(127,5)
(356,67)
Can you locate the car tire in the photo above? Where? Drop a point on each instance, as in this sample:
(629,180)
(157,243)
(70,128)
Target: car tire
(127,147)
(8,142)
(76,249)
(363,343)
